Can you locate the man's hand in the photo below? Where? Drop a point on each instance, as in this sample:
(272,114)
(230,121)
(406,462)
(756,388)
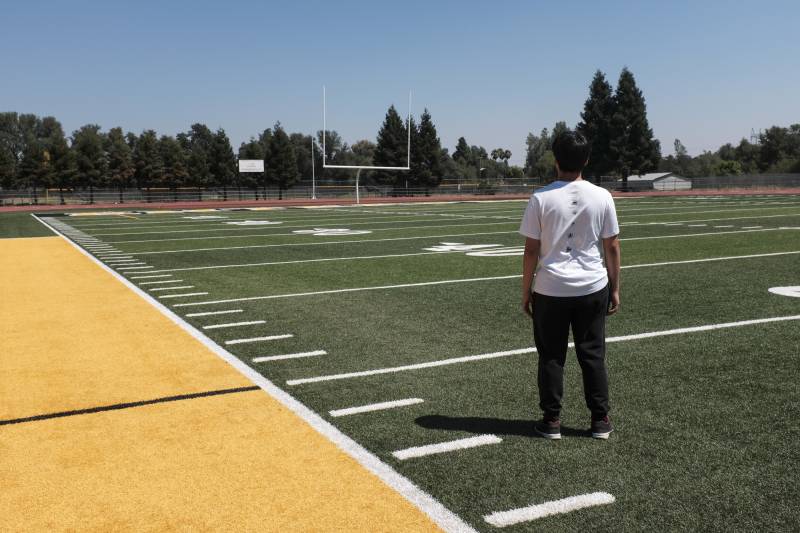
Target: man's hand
(613,305)
(527,303)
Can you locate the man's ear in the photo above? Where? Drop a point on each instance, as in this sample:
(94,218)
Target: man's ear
(558,169)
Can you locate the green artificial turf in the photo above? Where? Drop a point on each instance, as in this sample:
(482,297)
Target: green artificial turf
(16,225)
(706,423)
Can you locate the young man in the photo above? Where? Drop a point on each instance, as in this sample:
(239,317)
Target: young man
(566,224)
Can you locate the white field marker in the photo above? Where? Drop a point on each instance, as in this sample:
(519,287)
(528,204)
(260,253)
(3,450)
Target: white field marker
(697,225)
(534,512)
(288,356)
(520,351)
(172,288)
(234,324)
(752,227)
(156,276)
(134,267)
(375,407)
(183,295)
(164,281)
(444,447)
(121,261)
(259,339)
(726,226)
(212,313)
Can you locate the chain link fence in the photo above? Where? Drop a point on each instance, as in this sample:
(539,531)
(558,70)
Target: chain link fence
(346,192)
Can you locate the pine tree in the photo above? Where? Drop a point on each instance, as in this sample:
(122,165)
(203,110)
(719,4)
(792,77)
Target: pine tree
(596,126)
(147,160)
(427,166)
(200,145)
(633,148)
(175,171)
(392,149)
(120,160)
(462,154)
(281,166)
(222,162)
(90,157)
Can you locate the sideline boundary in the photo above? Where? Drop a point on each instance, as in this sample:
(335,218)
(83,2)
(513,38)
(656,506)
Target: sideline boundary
(438,513)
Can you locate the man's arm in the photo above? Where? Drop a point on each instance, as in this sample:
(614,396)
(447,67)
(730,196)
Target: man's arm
(611,253)
(529,261)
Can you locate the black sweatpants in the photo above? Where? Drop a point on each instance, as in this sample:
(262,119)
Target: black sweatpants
(552,318)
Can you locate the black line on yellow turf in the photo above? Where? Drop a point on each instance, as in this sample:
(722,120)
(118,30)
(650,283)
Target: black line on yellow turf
(127,405)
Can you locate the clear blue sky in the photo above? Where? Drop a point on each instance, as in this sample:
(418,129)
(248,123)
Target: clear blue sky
(490,71)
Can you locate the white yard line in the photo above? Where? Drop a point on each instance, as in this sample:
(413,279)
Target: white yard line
(259,339)
(442,516)
(213,313)
(351,241)
(534,512)
(752,227)
(157,276)
(413,254)
(444,447)
(285,356)
(183,295)
(468,280)
(157,282)
(172,288)
(375,407)
(520,351)
(235,324)
(711,219)
(134,267)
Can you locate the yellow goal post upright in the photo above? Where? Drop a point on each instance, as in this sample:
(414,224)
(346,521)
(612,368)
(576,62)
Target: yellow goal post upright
(359,168)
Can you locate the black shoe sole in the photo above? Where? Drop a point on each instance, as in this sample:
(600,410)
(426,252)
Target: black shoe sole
(548,436)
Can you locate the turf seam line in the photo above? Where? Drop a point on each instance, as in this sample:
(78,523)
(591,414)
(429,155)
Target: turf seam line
(375,407)
(541,510)
(127,405)
(441,515)
(520,351)
(444,447)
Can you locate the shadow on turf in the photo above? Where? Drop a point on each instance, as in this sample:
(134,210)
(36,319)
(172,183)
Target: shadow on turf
(497,426)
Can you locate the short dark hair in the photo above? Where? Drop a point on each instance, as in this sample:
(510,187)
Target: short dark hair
(571,150)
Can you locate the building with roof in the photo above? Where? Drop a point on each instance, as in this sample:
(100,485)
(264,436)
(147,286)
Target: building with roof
(659,181)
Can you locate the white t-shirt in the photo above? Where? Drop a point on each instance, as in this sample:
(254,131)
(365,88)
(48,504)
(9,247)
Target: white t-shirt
(570,218)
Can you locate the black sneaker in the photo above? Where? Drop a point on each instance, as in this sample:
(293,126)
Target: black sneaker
(601,429)
(548,428)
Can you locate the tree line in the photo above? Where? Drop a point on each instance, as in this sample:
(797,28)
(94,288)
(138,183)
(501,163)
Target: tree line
(35,153)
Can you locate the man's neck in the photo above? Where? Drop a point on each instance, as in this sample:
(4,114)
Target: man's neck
(569,176)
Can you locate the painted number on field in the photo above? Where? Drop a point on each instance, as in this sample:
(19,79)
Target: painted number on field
(253,223)
(478,250)
(331,232)
(794,291)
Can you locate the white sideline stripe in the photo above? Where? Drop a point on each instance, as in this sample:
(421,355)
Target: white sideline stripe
(183,295)
(288,356)
(375,407)
(212,313)
(540,510)
(442,516)
(507,353)
(235,324)
(351,241)
(444,447)
(259,339)
(468,280)
(146,277)
(165,281)
(172,288)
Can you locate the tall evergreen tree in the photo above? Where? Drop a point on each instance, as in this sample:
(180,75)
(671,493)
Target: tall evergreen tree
(632,146)
(175,171)
(427,166)
(222,162)
(302,153)
(596,126)
(462,154)
(61,159)
(120,161)
(281,166)
(10,148)
(199,145)
(87,142)
(147,160)
(392,148)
